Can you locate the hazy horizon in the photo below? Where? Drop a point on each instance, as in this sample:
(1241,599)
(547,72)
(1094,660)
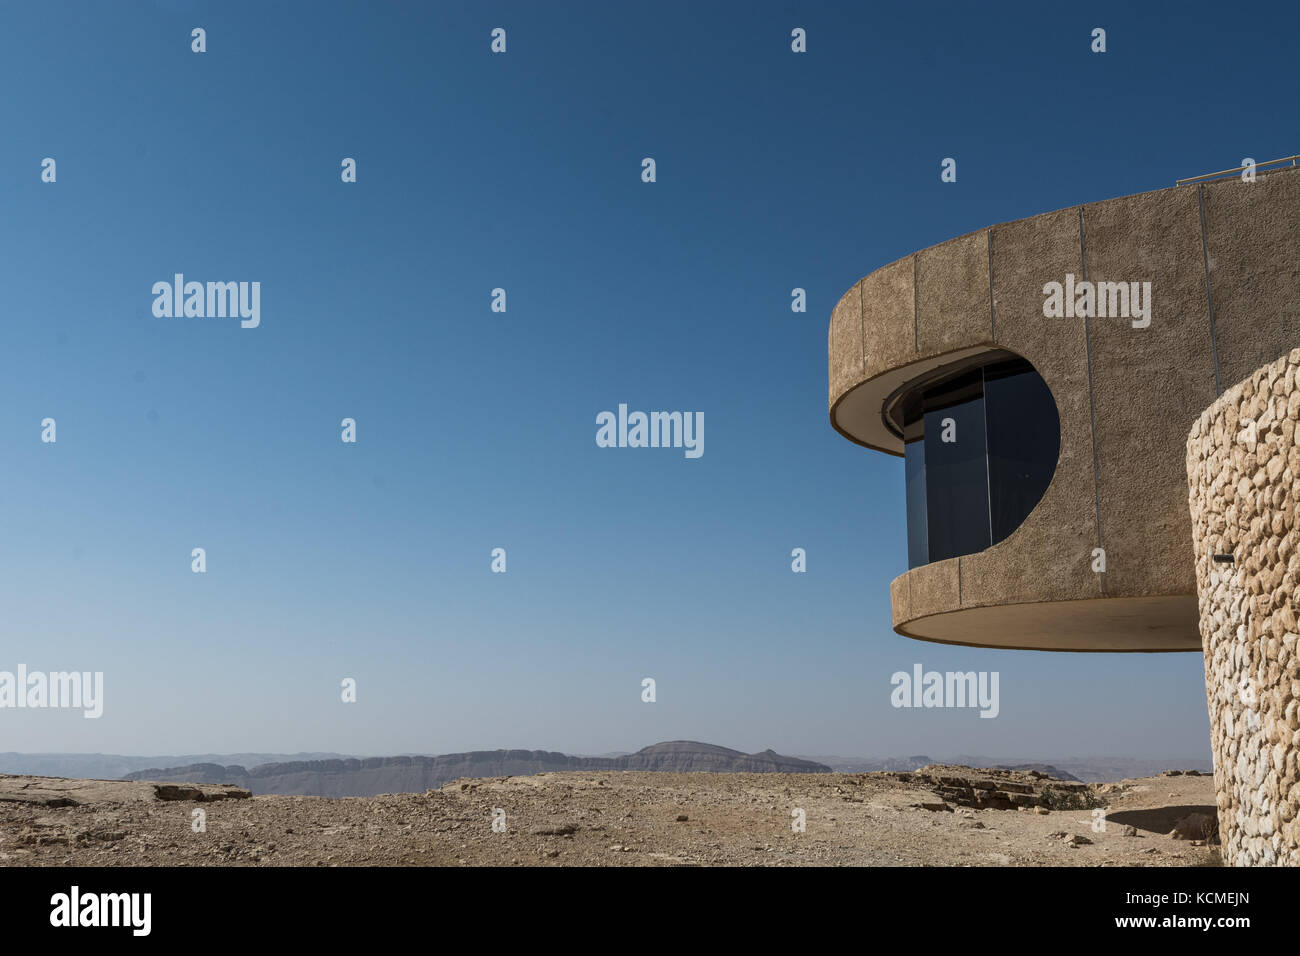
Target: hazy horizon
(328,754)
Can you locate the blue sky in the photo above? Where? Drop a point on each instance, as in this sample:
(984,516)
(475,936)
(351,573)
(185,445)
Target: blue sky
(476,429)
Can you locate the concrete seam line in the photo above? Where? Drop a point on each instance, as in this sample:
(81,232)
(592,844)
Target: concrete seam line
(1092,404)
(916,318)
(1209,292)
(993,321)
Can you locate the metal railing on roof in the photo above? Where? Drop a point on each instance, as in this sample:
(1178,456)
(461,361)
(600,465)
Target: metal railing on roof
(1232,172)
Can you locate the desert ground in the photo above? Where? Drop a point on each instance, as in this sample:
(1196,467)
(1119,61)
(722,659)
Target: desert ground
(938,816)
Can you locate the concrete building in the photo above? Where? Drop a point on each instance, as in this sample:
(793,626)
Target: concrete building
(1223,263)
(1040,379)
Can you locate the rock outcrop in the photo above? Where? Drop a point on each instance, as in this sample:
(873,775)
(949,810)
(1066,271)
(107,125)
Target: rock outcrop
(1000,789)
(54,792)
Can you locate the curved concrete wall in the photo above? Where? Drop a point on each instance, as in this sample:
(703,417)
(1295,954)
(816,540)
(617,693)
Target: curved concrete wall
(1223,260)
(1242,468)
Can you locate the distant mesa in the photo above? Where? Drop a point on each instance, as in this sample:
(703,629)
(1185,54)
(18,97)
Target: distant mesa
(371,776)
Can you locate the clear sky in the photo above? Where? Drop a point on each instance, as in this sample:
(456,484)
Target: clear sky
(476,429)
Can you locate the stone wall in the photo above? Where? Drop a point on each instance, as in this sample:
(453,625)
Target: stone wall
(1243,470)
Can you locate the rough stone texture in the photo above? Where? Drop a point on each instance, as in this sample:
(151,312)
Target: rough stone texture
(951,313)
(844,341)
(932,587)
(1051,552)
(1254,293)
(1148,384)
(888,306)
(1242,469)
(900,598)
(1145,387)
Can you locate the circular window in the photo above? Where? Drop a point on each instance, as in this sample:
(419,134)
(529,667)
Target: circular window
(981,442)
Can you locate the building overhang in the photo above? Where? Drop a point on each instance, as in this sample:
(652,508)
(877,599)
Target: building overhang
(1104,561)
(859,416)
(1145,624)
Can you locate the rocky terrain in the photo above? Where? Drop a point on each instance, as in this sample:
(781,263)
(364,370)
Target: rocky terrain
(940,815)
(366,777)
(869,765)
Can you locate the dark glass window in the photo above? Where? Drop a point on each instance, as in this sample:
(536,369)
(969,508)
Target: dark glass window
(980,449)
(956,468)
(918,542)
(1024,440)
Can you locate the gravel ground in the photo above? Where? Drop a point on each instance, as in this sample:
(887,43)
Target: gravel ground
(605,819)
